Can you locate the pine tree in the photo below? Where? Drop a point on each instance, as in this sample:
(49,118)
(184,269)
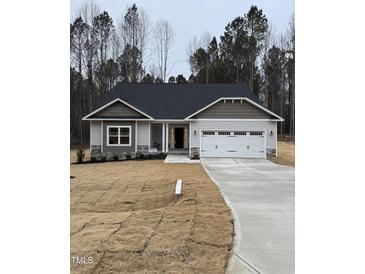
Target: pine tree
(180,79)
(256,26)
(172,80)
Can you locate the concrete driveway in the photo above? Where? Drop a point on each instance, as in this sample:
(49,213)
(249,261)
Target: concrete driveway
(261,195)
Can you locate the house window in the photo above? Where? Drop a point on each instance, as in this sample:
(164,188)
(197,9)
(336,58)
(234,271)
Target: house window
(224,133)
(240,133)
(256,133)
(119,135)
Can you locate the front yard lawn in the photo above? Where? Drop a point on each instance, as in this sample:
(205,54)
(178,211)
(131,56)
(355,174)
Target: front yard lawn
(286,154)
(125,217)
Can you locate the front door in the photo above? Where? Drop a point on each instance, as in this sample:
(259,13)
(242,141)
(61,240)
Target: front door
(179,137)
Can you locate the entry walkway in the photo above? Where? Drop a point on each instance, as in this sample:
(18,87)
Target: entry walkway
(179,159)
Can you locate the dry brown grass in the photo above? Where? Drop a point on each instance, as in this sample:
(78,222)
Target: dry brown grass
(286,154)
(73,155)
(125,216)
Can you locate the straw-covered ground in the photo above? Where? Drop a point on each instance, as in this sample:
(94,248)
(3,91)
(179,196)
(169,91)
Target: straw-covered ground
(286,154)
(125,219)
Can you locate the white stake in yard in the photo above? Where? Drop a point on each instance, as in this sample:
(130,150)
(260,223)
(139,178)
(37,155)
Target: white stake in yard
(178,188)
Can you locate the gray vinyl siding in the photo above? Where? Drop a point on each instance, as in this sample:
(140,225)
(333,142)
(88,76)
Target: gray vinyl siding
(143,133)
(119,110)
(267,126)
(116,149)
(95,133)
(236,110)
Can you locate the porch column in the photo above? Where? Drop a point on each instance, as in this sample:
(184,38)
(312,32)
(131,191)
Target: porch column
(136,137)
(167,137)
(189,138)
(163,137)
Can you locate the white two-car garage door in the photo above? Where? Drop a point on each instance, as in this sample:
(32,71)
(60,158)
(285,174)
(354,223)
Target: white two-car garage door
(246,144)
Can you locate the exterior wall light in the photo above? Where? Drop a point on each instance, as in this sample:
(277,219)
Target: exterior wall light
(195,132)
(271,133)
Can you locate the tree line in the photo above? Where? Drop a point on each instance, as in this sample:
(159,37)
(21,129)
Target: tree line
(104,52)
(248,51)
(134,49)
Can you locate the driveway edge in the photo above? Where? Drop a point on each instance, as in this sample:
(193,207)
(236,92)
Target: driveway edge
(244,267)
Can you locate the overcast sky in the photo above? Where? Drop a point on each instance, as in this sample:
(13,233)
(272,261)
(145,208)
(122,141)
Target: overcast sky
(192,17)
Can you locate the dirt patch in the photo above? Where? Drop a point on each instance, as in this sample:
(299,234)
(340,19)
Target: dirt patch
(286,154)
(125,216)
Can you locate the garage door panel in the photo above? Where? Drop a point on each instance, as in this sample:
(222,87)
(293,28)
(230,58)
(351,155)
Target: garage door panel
(235,144)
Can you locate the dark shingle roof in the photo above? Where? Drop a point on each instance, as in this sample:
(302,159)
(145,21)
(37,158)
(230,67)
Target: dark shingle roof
(175,101)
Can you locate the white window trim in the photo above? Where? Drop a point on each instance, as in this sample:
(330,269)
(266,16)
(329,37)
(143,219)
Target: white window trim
(119,145)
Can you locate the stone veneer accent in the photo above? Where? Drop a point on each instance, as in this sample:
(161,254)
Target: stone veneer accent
(110,155)
(95,153)
(142,149)
(194,152)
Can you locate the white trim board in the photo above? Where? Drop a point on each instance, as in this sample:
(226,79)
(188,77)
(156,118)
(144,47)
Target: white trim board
(115,119)
(169,120)
(149,136)
(112,102)
(136,137)
(91,135)
(237,98)
(234,120)
(167,137)
(102,136)
(189,138)
(163,137)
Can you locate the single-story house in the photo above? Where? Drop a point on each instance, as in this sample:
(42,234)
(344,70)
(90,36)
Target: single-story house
(205,120)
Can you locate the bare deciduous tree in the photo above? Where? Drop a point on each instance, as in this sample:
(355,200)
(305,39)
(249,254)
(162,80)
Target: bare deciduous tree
(194,44)
(78,38)
(163,35)
(205,40)
(205,43)
(191,48)
(88,11)
(144,35)
(115,45)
